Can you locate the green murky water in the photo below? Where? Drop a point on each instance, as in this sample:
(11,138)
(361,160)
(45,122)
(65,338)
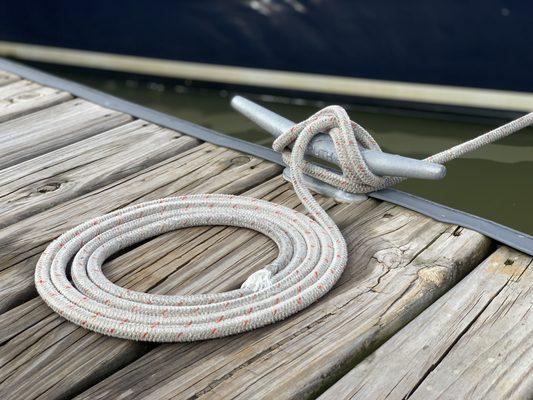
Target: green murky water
(495,182)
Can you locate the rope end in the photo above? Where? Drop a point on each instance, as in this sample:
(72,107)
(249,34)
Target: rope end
(259,280)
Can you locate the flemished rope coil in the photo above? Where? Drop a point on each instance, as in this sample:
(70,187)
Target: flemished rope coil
(312,252)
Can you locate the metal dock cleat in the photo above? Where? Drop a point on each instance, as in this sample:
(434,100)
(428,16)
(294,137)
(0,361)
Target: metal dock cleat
(380,163)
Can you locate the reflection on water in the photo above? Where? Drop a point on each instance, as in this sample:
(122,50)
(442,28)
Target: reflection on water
(494,182)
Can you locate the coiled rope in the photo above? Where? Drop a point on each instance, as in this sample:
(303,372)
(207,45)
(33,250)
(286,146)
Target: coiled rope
(312,252)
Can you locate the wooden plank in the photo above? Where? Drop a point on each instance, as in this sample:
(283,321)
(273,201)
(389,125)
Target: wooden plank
(23,97)
(22,242)
(45,181)
(400,262)
(54,127)
(6,78)
(178,255)
(476,341)
(220,238)
(494,358)
(46,338)
(21,318)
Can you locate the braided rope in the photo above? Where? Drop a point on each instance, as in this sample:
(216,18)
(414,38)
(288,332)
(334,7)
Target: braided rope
(312,252)
(348,137)
(312,256)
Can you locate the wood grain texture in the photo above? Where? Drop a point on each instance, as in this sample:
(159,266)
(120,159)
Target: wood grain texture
(52,128)
(494,358)
(64,161)
(23,97)
(399,263)
(203,168)
(45,181)
(475,342)
(172,257)
(17,319)
(64,357)
(6,78)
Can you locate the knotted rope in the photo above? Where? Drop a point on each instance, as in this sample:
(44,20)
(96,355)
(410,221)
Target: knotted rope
(312,252)
(348,138)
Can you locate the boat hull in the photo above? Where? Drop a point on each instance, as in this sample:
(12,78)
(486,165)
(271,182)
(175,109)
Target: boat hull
(479,45)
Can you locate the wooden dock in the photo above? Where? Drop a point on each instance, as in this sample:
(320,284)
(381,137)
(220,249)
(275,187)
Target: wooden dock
(424,309)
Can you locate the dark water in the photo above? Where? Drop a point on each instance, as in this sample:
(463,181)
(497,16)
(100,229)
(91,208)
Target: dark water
(495,182)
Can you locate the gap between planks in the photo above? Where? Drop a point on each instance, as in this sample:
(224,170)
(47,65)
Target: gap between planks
(22,242)
(269,357)
(43,337)
(54,127)
(24,97)
(476,341)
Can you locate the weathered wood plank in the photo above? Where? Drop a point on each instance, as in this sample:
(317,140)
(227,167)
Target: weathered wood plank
(400,262)
(49,341)
(157,249)
(494,358)
(476,341)
(6,78)
(204,167)
(22,317)
(52,128)
(23,97)
(17,87)
(45,181)
(177,255)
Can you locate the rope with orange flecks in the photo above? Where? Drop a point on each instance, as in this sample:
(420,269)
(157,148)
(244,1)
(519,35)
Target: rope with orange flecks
(311,257)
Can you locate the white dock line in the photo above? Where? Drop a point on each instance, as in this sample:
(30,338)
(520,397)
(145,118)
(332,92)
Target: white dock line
(312,252)
(312,255)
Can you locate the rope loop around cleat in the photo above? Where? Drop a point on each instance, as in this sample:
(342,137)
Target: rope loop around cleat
(312,252)
(349,137)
